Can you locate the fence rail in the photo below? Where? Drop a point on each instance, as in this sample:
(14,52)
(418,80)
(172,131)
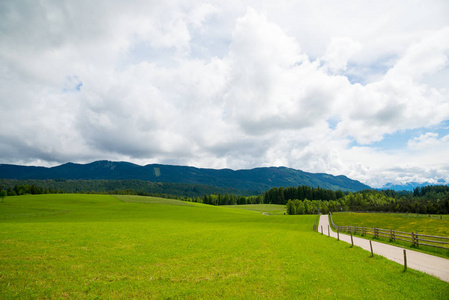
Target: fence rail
(416,239)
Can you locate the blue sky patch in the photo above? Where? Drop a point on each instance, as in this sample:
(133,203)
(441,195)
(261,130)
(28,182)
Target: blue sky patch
(399,140)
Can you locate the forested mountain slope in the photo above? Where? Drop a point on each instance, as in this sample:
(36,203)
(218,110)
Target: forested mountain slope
(257,180)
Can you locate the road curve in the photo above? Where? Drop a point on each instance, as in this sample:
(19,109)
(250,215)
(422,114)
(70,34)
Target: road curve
(430,264)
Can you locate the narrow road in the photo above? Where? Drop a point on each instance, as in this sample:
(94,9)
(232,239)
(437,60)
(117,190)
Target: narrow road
(433,265)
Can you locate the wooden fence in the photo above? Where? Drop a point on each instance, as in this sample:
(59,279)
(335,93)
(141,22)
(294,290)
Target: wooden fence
(412,237)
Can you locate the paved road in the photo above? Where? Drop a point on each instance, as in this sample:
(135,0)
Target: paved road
(433,265)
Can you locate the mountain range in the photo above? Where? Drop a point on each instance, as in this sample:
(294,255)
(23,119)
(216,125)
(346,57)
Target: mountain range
(255,180)
(410,186)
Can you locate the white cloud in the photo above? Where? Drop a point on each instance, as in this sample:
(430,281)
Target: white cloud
(429,141)
(226,85)
(425,57)
(399,100)
(339,52)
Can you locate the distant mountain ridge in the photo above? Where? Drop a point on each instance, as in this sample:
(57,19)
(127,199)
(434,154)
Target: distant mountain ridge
(410,186)
(257,180)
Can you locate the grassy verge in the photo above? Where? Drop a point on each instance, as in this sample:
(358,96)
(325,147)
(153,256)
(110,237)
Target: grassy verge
(401,222)
(107,248)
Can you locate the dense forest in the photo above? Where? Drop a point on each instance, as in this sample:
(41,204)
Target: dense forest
(423,200)
(298,200)
(130,186)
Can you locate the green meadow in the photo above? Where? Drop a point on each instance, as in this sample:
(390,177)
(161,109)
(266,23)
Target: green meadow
(269,209)
(104,247)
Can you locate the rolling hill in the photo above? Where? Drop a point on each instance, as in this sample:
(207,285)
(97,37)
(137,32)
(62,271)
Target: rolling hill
(256,180)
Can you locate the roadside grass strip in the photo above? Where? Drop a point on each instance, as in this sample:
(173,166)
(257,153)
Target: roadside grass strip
(430,264)
(418,224)
(109,249)
(402,222)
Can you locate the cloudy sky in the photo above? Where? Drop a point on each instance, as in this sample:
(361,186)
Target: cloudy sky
(359,88)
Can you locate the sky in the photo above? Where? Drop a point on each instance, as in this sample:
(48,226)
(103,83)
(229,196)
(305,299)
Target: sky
(355,88)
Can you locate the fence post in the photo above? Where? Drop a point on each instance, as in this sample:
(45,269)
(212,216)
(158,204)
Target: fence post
(321,229)
(338,233)
(392,237)
(328,230)
(405,261)
(371,246)
(352,241)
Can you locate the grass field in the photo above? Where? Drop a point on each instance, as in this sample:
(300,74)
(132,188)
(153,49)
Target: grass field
(151,200)
(105,247)
(269,209)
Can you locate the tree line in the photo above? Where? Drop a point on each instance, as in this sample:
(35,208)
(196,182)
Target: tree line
(132,186)
(385,201)
(230,199)
(25,189)
(433,199)
(431,191)
(280,195)
(32,189)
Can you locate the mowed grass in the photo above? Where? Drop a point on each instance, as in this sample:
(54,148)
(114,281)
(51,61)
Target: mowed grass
(106,248)
(151,200)
(269,209)
(402,222)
